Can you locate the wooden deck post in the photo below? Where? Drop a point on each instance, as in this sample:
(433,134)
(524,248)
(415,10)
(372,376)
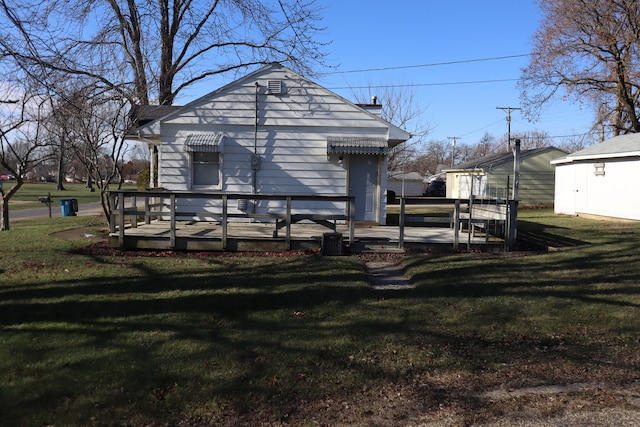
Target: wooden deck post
(112,215)
(147,216)
(351,213)
(287,238)
(134,218)
(512,225)
(224,221)
(172,226)
(401,223)
(121,219)
(456,225)
(470,225)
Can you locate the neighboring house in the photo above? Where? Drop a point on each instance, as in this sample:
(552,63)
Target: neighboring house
(275,132)
(411,182)
(600,180)
(492,176)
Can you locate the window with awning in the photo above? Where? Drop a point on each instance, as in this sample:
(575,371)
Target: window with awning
(204,142)
(206,158)
(357,145)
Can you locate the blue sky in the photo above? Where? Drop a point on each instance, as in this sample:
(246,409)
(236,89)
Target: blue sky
(368,34)
(405,34)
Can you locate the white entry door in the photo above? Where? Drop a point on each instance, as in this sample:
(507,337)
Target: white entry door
(363,185)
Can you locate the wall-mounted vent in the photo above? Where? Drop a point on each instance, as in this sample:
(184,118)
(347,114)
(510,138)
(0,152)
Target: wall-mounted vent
(275,87)
(598,169)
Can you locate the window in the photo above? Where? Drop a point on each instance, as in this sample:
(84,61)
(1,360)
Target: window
(206,169)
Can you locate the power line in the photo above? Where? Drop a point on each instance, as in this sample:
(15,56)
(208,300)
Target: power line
(482,128)
(424,84)
(434,64)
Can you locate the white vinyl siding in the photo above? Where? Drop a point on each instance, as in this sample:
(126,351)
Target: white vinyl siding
(288,132)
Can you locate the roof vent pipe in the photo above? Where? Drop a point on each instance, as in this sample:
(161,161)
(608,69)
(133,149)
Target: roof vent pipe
(374,100)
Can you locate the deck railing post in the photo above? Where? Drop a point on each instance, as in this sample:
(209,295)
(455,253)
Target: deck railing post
(224,221)
(471,229)
(456,225)
(121,219)
(172,227)
(512,225)
(112,214)
(147,214)
(287,238)
(401,224)
(134,218)
(352,210)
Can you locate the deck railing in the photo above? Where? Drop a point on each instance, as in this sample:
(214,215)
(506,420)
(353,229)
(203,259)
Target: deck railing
(160,204)
(473,213)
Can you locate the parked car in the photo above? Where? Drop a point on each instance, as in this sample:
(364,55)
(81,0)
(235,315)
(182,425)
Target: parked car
(436,188)
(7,177)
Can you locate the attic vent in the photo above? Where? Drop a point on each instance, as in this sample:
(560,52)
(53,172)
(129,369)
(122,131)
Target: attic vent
(598,169)
(275,87)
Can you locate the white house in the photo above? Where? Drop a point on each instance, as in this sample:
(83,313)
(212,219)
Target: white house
(275,132)
(600,180)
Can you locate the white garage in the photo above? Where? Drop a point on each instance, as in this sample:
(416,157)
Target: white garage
(601,180)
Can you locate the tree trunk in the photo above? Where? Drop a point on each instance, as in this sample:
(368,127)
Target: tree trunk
(90,183)
(5,214)
(60,177)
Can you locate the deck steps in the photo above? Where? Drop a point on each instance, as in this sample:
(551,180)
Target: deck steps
(376,248)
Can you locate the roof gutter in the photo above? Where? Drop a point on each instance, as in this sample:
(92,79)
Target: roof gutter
(572,159)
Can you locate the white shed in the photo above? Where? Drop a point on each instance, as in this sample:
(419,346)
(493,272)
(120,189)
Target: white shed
(600,180)
(410,184)
(276,132)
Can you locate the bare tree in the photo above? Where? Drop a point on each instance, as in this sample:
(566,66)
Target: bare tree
(58,127)
(587,51)
(488,144)
(96,128)
(435,156)
(21,149)
(400,107)
(154,49)
(532,139)
(575,143)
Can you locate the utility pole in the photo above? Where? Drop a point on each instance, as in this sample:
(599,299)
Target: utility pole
(508,110)
(453,146)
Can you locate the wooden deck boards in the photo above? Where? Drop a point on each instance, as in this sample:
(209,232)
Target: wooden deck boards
(242,236)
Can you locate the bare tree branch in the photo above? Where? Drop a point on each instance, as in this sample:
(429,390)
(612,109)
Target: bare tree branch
(587,51)
(153,49)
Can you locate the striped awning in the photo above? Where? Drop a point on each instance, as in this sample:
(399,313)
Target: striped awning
(357,145)
(204,142)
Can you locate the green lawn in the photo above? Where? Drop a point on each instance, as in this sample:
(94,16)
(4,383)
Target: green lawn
(106,338)
(27,195)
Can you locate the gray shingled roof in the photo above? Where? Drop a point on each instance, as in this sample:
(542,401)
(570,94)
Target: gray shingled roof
(617,146)
(497,159)
(408,176)
(142,114)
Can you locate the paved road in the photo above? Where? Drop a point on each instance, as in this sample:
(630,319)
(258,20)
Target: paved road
(85,209)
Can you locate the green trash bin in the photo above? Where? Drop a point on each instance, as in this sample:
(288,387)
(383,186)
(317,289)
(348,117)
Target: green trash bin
(67,207)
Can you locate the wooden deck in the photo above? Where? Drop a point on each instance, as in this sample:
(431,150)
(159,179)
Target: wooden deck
(207,236)
(158,223)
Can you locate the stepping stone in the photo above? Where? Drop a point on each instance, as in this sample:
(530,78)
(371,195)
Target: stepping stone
(387,276)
